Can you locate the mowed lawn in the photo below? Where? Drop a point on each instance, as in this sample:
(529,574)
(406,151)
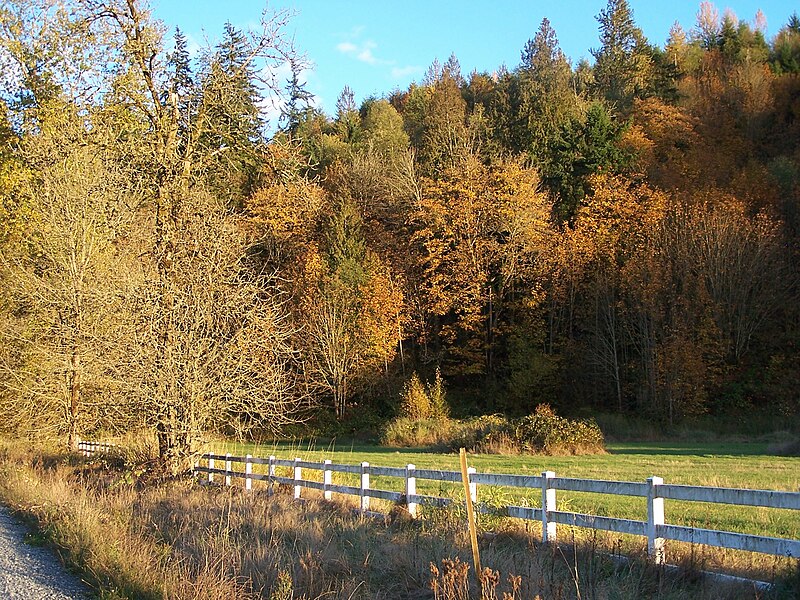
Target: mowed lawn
(737,465)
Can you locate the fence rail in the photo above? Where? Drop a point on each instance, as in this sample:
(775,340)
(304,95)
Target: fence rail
(653,490)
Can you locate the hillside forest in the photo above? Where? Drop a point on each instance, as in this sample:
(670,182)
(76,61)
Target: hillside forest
(614,236)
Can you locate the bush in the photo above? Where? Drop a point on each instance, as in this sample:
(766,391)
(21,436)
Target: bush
(424,401)
(405,432)
(546,433)
(543,432)
(414,402)
(473,433)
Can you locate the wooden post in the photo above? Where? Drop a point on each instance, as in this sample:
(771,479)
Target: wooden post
(411,490)
(655,517)
(271,476)
(248,471)
(548,505)
(327,480)
(473,530)
(364,487)
(227,469)
(298,476)
(210,468)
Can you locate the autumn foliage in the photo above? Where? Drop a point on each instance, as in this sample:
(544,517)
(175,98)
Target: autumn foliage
(618,237)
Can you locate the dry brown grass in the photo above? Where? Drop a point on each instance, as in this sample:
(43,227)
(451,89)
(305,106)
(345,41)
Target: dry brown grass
(174,539)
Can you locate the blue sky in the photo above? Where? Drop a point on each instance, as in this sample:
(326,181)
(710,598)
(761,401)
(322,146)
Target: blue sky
(376,47)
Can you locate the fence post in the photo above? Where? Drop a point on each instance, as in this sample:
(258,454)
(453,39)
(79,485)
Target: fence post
(271,476)
(210,467)
(655,517)
(548,505)
(327,480)
(473,487)
(248,470)
(227,468)
(411,490)
(298,476)
(364,487)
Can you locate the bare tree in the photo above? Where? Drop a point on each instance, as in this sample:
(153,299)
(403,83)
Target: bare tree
(63,285)
(227,363)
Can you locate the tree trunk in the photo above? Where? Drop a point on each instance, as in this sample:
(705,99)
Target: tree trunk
(74,398)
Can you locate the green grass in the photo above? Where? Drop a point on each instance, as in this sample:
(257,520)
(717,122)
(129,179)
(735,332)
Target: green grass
(742,465)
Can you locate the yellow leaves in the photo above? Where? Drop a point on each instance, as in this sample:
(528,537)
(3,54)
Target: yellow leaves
(287,210)
(481,233)
(619,214)
(383,315)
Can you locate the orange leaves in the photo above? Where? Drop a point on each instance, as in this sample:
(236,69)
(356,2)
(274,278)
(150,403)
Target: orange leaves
(670,144)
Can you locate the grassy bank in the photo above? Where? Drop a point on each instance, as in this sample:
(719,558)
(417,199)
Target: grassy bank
(132,536)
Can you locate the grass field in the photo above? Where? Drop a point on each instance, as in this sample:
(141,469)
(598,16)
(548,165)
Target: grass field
(738,465)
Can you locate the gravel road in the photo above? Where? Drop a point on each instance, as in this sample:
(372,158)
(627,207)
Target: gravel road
(32,572)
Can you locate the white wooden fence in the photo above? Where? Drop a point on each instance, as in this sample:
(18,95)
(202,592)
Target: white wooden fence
(87,448)
(654,490)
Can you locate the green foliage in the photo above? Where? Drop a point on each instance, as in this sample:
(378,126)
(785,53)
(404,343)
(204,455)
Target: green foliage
(383,128)
(785,54)
(298,102)
(622,64)
(347,250)
(585,146)
(534,374)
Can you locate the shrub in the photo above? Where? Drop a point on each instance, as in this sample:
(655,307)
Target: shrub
(473,433)
(414,401)
(436,395)
(404,432)
(424,401)
(545,432)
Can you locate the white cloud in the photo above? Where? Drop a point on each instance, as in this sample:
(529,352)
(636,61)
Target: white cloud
(347,48)
(401,72)
(362,51)
(365,55)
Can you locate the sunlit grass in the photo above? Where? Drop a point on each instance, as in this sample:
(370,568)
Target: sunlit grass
(740,465)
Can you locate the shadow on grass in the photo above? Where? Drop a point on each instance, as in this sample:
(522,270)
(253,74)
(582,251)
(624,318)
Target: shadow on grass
(689,449)
(626,448)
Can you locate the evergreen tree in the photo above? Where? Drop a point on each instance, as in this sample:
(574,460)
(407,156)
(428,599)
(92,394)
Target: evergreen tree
(584,147)
(623,66)
(182,85)
(452,69)
(231,103)
(348,120)
(298,100)
(785,56)
(545,96)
